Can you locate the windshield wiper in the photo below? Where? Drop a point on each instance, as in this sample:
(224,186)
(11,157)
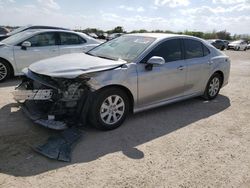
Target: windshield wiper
(104,57)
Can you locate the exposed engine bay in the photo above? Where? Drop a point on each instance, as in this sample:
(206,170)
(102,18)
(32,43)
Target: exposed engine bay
(55,103)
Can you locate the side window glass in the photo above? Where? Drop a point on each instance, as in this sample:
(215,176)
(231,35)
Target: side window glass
(193,49)
(206,51)
(71,39)
(44,39)
(169,50)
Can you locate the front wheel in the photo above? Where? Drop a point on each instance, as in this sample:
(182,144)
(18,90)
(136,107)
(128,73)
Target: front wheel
(4,71)
(110,109)
(213,87)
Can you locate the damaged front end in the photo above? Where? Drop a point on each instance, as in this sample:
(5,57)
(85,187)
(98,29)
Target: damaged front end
(55,103)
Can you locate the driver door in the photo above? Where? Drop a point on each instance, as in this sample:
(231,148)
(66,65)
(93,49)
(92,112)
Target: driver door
(165,81)
(43,45)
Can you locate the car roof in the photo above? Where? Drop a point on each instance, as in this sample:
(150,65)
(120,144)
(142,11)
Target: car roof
(48,30)
(160,36)
(44,27)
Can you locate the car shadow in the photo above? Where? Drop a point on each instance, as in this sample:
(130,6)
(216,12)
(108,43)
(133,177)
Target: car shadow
(10,82)
(18,159)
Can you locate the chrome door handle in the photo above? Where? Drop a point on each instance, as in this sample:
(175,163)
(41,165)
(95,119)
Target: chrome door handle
(210,62)
(181,67)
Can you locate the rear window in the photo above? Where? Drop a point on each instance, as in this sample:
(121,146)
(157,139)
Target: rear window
(195,49)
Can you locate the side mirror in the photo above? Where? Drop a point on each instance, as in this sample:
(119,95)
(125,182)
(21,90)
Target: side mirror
(25,45)
(155,60)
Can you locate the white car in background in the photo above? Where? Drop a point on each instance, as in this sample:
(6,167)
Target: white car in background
(237,45)
(248,46)
(25,48)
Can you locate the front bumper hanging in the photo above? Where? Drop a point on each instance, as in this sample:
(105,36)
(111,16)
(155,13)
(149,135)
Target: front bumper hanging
(46,107)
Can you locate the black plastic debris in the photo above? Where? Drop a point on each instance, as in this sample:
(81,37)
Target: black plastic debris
(59,147)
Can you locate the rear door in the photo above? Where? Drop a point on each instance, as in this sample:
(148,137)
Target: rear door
(165,81)
(71,43)
(43,45)
(197,58)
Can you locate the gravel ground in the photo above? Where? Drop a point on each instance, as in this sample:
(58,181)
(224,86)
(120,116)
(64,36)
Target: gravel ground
(188,144)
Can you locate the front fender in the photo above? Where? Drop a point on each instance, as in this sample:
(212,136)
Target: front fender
(125,76)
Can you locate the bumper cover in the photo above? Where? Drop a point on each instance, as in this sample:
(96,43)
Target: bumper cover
(41,118)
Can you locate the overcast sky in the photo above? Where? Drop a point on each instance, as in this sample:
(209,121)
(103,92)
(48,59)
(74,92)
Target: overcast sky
(176,15)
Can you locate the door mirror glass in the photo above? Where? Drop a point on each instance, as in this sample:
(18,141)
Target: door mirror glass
(26,44)
(156,60)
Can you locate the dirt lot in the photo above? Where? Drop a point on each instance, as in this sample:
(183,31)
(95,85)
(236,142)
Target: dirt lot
(189,144)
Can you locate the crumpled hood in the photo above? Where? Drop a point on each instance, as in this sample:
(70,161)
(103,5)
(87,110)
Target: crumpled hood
(73,65)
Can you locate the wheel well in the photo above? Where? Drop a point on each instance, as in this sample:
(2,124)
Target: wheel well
(221,74)
(126,90)
(11,67)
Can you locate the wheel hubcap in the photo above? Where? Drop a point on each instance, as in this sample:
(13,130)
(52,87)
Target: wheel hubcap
(112,109)
(214,86)
(3,71)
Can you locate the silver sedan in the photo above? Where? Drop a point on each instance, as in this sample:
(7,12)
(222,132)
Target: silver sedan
(131,73)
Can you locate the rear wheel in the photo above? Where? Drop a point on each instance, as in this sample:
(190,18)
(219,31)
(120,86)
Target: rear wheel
(237,48)
(110,109)
(222,48)
(213,87)
(5,71)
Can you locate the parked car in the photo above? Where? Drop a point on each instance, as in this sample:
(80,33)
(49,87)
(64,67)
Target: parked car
(93,35)
(238,45)
(3,31)
(226,42)
(217,43)
(248,46)
(114,35)
(131,73)
(102,36)
(23,49)
(24,28)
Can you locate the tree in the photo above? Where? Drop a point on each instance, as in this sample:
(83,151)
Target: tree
(223,35)
(139,31)
(118,29)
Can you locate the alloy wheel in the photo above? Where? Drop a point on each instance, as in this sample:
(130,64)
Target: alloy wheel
(3,71)
(214,86)
(112,109)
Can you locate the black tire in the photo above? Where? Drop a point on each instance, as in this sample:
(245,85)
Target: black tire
(95,111)
(222,48)
(207,94)
(245,49)
(5,67)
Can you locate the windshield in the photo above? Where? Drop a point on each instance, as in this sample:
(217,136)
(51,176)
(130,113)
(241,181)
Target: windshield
(12,40)
(18,30)
(125,47)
